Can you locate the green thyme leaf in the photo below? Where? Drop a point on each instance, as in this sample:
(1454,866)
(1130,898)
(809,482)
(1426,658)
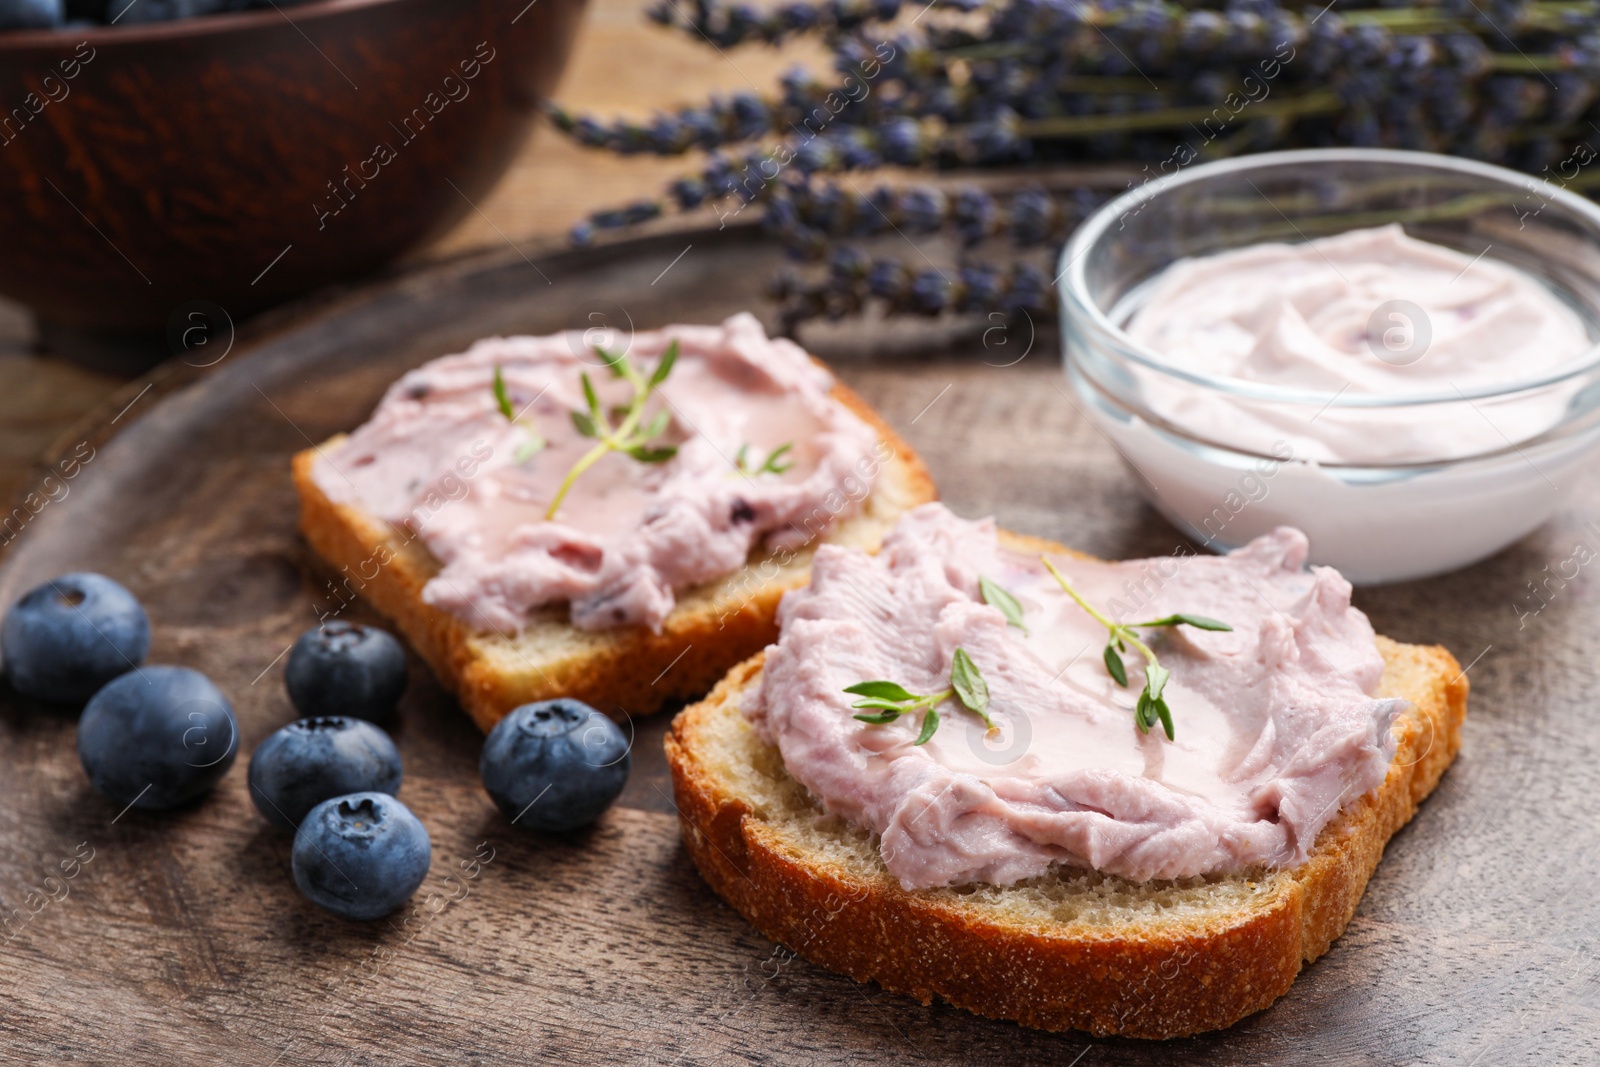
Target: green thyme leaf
(1165,713)
(657,426)
(880,704)
(772,464)
(591,397)
(528,449)
(663,368)
(584,423)
(616,362)
(1141,713)
(882,690)
(741,461)
(969,685)
(1114,666)
(1155,679)
(1202,622)
(1199,622)
(502,399)
(997,597)
(930,723)
(646,454)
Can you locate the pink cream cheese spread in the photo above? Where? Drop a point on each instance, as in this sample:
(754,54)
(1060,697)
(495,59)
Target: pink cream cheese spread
(1277,727)
(440,459)
(1369,312)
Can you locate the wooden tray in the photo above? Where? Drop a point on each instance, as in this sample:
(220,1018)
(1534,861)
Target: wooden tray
(183,940)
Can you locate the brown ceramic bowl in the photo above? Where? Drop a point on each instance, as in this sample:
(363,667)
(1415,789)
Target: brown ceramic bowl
(242,159)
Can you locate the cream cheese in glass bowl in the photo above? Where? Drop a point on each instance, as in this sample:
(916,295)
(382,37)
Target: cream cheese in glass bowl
(1393,351)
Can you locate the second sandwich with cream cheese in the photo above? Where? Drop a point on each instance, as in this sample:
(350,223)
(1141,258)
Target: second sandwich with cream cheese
(1277,721)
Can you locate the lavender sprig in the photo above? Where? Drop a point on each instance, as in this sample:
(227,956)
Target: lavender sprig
(855,281)
(726,25)
(1054,60)
(805,216)
(1126,81)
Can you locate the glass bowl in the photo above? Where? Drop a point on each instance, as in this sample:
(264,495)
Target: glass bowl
(1420,482)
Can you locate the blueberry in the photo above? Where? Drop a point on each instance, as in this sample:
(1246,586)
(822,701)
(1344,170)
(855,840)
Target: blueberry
(157,737)
(344,668)
(72,635)
(555,765)
(360,856)
(31,14)
(312,760)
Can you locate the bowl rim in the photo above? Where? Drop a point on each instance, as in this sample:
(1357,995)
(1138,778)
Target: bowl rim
(1351,471)
(1072,281)
(196,26)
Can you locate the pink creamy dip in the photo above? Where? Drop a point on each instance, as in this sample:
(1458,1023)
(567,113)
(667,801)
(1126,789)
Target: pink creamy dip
(1276,724)
(439,458)
(1340,315)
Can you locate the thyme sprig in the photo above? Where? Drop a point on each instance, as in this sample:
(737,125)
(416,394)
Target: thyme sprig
(887,701)
(627,435)
(997,596)
(535,441)
(774,463)
(1152,704)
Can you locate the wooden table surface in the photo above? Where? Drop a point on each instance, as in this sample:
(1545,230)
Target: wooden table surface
(553,184)
(184,941)
(1479,952)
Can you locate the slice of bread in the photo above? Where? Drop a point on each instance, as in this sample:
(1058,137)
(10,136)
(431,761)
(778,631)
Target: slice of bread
(628,670)
(1073,949)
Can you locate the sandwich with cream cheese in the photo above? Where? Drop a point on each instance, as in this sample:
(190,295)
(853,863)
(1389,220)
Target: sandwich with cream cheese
(954,739)
(606,518)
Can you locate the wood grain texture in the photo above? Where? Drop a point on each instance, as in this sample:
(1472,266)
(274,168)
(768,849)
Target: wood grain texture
(182,939)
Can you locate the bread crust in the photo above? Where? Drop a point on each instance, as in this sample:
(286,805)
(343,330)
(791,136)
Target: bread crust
(633,672)
(1146,980)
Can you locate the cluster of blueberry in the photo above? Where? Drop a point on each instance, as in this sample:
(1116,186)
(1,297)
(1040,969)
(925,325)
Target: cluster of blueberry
(47,14)
(1010,82)
(156,737)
